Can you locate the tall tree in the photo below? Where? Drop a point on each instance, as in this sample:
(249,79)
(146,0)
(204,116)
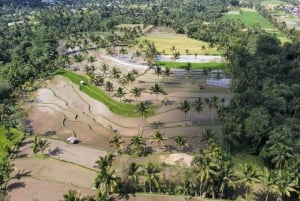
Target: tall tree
(185,108)
(158,137)
(120,93)
(133,174)
(143,109)
(137,145)
(152,176)
(157,89)
(249,176)
(180,141)
(136,92)
(117,142)
(198,105)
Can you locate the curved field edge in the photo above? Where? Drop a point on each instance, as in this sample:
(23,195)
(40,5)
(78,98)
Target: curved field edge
(183,65)
(94,92)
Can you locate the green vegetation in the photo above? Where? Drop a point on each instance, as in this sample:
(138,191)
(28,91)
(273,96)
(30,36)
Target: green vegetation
(184,45)
(15,137)
(96,93)
(250,18)
(183,65)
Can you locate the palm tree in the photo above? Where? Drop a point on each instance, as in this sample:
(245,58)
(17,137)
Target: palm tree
(98,80)
(268,180)
(158,71)
(133,174)
(6,167)
(152,175)
(249,176)
(185,108)
(213,103)
(130,77)
(198,105)
(117,142)
(180,141)
(159,138)
(207,134)
(228,177)
(142,108)
(120,93)
(115,72)
(280,153)
(109,86)
(40,145)
(188,69)
(105,162)
(137,144)
(104,68)
(157,89)
(285,184)
(105,182)
(167,72)
(136,92)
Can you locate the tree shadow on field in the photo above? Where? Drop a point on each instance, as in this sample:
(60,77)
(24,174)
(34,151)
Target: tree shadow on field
(157,124)
(121,196)
(49,133)
(261,196)
(56,151)
(15,185)
(169,102)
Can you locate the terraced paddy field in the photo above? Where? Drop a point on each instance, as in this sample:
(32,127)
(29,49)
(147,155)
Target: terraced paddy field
(60,108)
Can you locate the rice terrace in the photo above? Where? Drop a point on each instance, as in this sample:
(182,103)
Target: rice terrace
(148,100)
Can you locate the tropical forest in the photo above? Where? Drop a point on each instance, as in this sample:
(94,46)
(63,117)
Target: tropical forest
(149,100)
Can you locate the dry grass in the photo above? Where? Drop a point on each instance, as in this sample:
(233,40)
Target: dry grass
(164,42)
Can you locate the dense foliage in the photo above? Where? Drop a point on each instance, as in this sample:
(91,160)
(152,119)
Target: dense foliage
(262,117)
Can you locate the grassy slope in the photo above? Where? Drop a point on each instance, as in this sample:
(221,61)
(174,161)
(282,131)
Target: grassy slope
(182,65)
(116,107)
(250,18)
(17,136)
(165,41)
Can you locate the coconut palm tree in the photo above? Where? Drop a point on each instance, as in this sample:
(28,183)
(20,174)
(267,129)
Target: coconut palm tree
(109,86)
(115,72)
(158,137)
(104,68)
(117,142)
(228,177)
(6,167)
(167,72)
(185,108)
(136,92)
(268,180)
(249,176)
(142,108)
(40,145)
(152,176)
(198,105)
(106,182)
(213,103)
(157,89)
(133,174)
(280,153)
(105,162)
(285,184)
(180,141)
(158,71)
(137,144)
(120,93)
(207,134)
